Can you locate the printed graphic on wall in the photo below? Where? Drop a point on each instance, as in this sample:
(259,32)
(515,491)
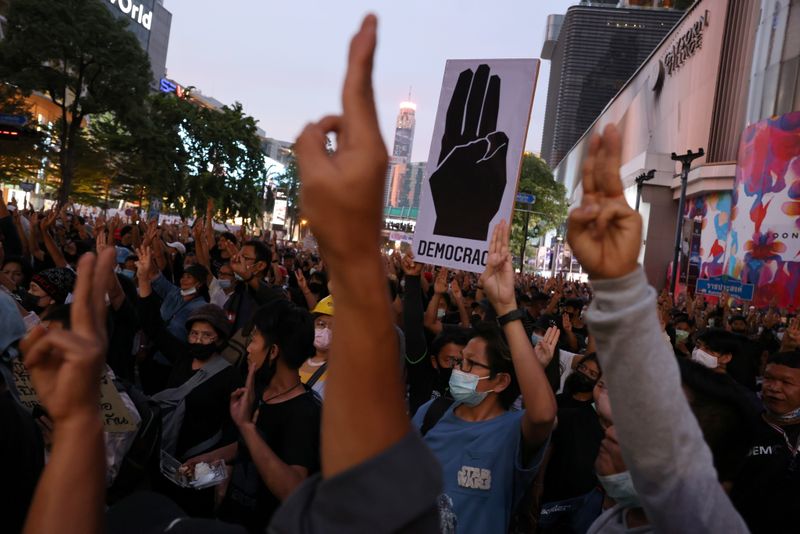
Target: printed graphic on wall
(764,241)
(715,211)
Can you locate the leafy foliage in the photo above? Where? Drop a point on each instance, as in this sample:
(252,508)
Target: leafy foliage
(537,179)
(79,55)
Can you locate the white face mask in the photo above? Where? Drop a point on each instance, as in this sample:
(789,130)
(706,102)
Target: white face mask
(322,338)
(620,488)
(225,283)
(440,313)
(705,359)
(188,292)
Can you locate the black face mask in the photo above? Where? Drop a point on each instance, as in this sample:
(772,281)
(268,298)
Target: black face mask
(265,373)
(315,288)
(579,383)
(31,302)
(202,352)
(475,319)
(443,377)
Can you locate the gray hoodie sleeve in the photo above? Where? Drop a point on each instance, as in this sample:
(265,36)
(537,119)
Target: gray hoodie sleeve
(662,444)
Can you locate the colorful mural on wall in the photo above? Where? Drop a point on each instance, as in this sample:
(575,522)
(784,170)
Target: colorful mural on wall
(714,209)
(763,246)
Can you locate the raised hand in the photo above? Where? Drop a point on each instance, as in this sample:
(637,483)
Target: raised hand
(497,279)
(409,266)
(243,400)
(604,232)
(101,242)
(566,323)
(301,280)
(66,365)
(440,283)
(144,265)
(546,347)
(341,192)
(455,290)
(472,159)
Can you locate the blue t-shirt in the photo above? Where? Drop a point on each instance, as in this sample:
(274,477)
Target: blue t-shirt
(482,467)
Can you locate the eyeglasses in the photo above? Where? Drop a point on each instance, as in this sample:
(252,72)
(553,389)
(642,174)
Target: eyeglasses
(591,373)
(204,337)
(466,365)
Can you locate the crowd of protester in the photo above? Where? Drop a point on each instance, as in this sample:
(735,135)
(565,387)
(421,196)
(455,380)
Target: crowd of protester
(348,390)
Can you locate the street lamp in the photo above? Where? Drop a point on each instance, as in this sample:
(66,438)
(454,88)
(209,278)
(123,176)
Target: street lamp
(640,180)
(686,163)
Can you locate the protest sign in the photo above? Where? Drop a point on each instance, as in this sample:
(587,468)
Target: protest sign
(115,415)
(474,161)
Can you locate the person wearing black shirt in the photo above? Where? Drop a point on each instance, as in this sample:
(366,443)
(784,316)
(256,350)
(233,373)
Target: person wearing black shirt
(570,476)
(428,365)
(277,416)
(768,488)
(206,423)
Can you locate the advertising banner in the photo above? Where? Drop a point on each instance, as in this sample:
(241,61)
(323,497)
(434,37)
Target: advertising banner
(474,161)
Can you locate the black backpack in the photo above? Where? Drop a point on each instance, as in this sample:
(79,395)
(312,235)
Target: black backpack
(435,412)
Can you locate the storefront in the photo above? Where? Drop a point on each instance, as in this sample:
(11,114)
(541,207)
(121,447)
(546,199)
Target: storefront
(726,80)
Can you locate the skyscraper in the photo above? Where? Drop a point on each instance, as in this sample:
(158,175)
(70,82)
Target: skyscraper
(593,49)
(401,153)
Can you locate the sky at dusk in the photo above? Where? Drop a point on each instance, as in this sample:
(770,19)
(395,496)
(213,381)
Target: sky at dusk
(285,61)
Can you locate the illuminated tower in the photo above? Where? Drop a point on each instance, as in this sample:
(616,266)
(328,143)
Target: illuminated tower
(401,152)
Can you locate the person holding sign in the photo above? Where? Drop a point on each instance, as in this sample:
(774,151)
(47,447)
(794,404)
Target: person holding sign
(490,454)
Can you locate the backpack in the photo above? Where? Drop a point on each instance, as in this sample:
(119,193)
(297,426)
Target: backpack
(435,412)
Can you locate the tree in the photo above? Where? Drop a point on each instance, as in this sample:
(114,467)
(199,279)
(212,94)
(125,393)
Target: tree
(79,55)
(27,152)
(289,182)
(183,154)
(537,179)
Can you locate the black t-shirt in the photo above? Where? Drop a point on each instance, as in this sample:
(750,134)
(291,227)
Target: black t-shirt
(575,441)
(22,449)
(207,406)
(767,492)
(291,429)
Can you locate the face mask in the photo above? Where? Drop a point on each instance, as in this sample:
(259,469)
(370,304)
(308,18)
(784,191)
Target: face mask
(620,488)
(440,313)
(322,338)
(443,375)
(128,273)
(681,336)
(188,292)
(265,373)
(225,283)
(238,277)
(315,288)
(579,383)
(705,359)
(474,318)
(779,335)
(788,417)
(462,387)
(31,302)
(535,338)
(202,352)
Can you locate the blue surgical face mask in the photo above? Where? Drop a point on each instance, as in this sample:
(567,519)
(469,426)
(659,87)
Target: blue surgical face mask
(620,488)
(130,273)
(462,387)
(536,338)
(225,283)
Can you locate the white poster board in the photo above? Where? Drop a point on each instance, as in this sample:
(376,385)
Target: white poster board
(474,162)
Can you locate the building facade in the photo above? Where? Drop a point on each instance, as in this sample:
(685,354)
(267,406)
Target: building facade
(593,49)
(150,22)
(726,80)
(401,153)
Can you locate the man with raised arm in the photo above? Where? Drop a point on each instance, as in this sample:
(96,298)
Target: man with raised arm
(662,444)
(377,475)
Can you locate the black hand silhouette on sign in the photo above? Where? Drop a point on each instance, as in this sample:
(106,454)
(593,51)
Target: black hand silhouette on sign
(467,186)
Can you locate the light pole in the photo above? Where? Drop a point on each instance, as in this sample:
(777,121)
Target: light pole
(686,164)
(640,180)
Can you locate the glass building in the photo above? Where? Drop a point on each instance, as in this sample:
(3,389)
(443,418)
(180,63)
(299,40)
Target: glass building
(150,22)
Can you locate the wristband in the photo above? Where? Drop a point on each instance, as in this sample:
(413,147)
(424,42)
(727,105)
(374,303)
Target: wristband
(514,315)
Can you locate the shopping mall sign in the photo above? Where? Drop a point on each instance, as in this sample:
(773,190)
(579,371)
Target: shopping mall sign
(686,45)
(715,285)
(136,11)
(168,86)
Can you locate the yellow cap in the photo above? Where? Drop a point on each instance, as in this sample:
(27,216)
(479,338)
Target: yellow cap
(325,306)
